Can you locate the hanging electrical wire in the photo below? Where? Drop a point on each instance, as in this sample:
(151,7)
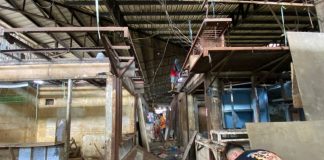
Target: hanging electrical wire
(157,69)
(173,27)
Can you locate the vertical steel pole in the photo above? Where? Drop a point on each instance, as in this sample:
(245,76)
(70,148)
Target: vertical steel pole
(68,120)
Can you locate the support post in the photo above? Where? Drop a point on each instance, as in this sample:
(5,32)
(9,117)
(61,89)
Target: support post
(255,100)
(113,117)
(319,5)
(212,102)
(68,120)
(208,101)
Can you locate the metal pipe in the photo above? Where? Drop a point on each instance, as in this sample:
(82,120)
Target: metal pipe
(13,85)
(36,103)
(68,120)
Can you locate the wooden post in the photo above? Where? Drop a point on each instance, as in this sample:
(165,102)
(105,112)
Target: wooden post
(113,109)
(212,102)
(68,120)
(208,101)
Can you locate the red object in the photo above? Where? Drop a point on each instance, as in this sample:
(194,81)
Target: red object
(173,72)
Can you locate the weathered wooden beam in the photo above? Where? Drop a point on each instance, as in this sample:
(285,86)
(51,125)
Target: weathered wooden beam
(28,71)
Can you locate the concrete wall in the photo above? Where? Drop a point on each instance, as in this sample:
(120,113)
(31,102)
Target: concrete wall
(17,115)
(88,115)
(87,112)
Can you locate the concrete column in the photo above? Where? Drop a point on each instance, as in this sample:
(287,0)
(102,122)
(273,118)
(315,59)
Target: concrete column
(108,116)
(319,5)
(68,120)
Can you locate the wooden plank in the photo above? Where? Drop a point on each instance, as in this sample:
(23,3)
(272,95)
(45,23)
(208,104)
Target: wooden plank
(192,139)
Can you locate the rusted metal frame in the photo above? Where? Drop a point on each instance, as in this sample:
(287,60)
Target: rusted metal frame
(79,49)
(68,29)
(39,25)
(196,39)
(38,55)
(21,44)
(130,43)
(221,64)
(11,56)
(44,11)
(116,136)
(239,15)
(111,54)
(121,72)
(274,69)
(34,15)
(195,85)
(269,64)
(215,49)
(114,12)
(82,23)
(224,60)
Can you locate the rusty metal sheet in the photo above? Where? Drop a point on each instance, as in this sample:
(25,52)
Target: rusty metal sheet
(307,52)
(290,140)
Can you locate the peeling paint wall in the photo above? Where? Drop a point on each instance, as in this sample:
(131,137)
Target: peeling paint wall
(17,115)
(88,115)
(128,113)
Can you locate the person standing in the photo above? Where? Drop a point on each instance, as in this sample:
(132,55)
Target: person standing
(174,73)
(157,128)
(162,125)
